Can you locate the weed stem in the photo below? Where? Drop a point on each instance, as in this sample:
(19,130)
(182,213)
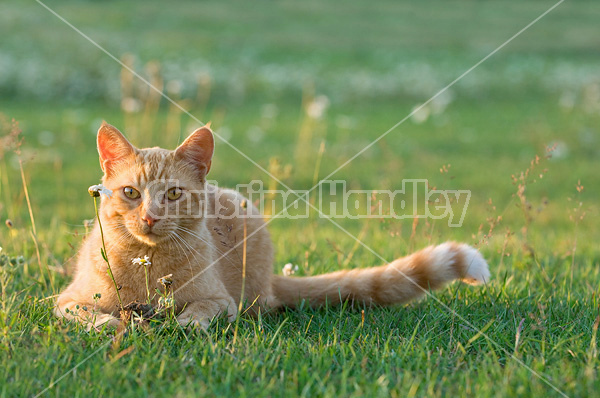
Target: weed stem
(105,256)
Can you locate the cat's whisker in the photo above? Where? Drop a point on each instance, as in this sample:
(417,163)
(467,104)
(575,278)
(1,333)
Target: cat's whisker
(124,233)
(171,238)
(195,235)
(110,244)
(175,239)
(188,245)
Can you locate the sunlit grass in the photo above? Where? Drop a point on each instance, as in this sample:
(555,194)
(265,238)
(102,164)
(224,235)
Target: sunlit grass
(300,102)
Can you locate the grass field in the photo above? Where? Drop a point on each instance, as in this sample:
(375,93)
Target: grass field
(300,88)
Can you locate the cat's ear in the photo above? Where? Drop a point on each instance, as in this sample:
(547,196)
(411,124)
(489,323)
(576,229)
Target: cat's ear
(198,149)
(113,147)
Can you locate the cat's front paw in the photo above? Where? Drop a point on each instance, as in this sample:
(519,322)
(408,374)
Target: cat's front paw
(230,309)
(99,321)
(192,321)
(200,314)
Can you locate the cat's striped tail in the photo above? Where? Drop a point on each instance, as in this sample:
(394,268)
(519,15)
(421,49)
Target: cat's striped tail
(400,281)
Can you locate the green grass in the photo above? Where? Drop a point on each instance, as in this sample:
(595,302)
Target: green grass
(374,63)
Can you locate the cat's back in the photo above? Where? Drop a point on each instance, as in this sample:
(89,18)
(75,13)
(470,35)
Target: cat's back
(224,203)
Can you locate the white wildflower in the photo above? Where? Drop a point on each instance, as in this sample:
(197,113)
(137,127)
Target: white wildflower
(560,150)
(96,190)
(345,122)
(420,114)
(131,105)
(255,134)
(174,87)
(289,269)
(439,104)
(142,261)
(567,100)
(317,107)
(269,111)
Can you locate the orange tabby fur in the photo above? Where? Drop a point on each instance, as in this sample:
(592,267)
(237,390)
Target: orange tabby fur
(206,282)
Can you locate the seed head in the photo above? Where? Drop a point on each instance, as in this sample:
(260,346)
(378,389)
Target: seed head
(96,190)
(166,280)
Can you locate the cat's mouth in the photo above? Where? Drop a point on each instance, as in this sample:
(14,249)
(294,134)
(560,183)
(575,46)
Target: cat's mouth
(147,235)
(150,238)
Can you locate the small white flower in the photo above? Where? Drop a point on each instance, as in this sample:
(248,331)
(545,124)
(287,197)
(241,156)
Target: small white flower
(255,134)
(142,261)
(131,105)
(174,87)
(269,111)
(289,269)
(420,114)
(317,107)
(96,190)
(560,150)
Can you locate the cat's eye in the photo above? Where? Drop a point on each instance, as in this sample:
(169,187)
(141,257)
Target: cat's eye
(174,193)
(131,193)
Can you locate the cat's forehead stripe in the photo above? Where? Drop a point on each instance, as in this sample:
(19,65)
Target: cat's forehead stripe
(153,165)
(142,176)
(160,169)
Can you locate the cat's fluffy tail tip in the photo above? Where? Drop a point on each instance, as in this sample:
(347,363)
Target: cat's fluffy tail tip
(476,268)
(463,261)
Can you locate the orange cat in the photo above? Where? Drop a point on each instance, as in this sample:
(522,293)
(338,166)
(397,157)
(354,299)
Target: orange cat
(153,211)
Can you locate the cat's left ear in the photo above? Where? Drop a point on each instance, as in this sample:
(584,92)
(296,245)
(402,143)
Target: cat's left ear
(198,149)
(113,147)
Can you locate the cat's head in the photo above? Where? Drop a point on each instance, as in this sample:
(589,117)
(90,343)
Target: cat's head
(156,192)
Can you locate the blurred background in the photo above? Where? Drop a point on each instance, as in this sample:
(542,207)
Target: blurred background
(300,87)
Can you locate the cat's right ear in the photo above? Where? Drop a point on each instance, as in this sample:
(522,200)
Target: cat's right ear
(113,147)
(198,149)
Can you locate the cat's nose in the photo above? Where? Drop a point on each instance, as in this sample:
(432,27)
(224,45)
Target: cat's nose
(148,219)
